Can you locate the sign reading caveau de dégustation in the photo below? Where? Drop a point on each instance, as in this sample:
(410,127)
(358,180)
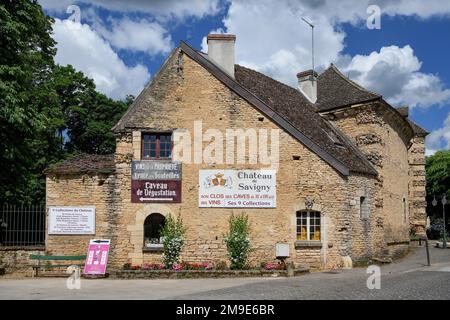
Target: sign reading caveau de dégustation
(155,182)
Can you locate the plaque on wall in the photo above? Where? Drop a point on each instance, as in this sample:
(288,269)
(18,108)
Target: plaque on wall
(71,220)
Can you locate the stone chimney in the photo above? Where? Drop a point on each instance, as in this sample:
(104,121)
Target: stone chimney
(221,51)
(307,84)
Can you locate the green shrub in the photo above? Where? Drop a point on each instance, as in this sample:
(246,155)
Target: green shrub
(126,266)
(173,241)
(237,241)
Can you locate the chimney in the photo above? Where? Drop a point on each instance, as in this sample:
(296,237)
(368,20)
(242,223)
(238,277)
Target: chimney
(221,51)
(307,84)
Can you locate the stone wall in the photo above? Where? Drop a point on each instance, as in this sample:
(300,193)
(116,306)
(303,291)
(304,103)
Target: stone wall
(84,190)
(383,136)
(417,185)
(16,260)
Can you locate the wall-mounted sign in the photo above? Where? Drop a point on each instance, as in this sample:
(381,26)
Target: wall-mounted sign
(97,256)
(153,191)
(155,182)
(237,189)
(71,220)
(155,170)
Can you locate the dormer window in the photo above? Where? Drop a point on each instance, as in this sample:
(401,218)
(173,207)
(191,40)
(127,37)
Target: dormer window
(156,146)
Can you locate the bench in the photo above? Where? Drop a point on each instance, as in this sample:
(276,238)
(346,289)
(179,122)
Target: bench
(40,258)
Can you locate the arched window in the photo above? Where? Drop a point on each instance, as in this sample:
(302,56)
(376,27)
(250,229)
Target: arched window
(153,225)
(308,226)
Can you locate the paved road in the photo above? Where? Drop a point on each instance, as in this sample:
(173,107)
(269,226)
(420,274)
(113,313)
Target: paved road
(409,278)
(406,279)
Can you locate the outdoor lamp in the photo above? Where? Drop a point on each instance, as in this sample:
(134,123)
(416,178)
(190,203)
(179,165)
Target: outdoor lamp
(444,202)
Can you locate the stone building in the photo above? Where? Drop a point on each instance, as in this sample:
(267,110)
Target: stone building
(348,179)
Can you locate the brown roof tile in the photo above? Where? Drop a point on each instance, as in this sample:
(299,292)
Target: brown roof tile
(334,90)
(418,130)
(404,111)
(284,105)
(294,107)
(83,163)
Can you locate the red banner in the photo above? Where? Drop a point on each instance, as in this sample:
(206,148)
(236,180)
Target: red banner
(155,191)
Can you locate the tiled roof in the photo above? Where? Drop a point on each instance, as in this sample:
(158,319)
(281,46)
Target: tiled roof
(404,111)
(84,163)
(284,105)
(295,108)
(334,90)
(418,130)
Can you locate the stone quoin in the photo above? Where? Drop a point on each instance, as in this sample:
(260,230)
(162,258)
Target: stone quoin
(349,182)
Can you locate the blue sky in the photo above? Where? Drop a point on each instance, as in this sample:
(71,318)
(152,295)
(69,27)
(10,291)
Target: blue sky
(121,44)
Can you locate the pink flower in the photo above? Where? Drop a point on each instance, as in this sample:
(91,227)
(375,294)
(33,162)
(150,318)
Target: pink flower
(177,267)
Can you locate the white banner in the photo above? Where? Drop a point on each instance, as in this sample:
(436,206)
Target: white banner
(237,189)
(71,220)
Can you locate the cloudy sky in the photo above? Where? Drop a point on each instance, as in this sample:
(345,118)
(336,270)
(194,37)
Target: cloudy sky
(121,44)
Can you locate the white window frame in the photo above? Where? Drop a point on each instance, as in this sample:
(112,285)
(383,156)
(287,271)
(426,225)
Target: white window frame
(308,224)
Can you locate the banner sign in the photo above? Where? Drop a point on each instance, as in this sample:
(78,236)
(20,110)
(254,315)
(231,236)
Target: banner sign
(97,256)
(71,220)
(154,181)
(237,189)
(154,191)
(155,170)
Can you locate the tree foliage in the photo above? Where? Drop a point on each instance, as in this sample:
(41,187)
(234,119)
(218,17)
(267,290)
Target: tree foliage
(47,111)
(438,180)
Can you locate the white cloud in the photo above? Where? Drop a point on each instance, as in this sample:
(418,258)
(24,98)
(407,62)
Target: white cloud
(158,8)
(52,5)
(271,38)
(395,73)
(83,48)
(142,35)
(439,139)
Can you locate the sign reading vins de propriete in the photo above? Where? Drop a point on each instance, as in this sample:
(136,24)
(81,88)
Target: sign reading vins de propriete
(155,182)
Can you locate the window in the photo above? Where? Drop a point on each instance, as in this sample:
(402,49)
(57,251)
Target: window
(156,145)
(405,210)
(364,209)
(308,226)
(153,225)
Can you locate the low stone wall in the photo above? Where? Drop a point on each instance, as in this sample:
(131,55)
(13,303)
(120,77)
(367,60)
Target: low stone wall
(16,259)
(398,249)
(189,274)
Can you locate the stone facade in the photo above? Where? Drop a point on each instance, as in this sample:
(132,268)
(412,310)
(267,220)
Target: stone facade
(380,133)
(17,260)
(417,185)
(184,92)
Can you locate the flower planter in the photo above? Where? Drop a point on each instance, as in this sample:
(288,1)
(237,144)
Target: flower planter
(191,274)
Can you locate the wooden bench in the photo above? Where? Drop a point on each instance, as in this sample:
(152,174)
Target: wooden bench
(40,258)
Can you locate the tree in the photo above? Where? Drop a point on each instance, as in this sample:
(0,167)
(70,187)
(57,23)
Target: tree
(47,111)
(26,59)
(438,180)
